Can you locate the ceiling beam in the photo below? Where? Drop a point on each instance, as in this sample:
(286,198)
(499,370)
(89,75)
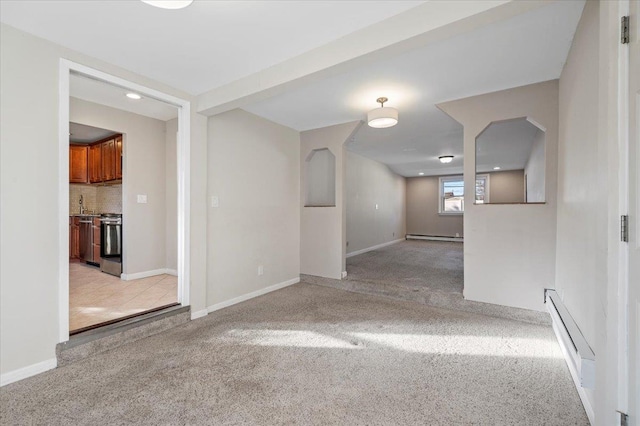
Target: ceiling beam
(432,21)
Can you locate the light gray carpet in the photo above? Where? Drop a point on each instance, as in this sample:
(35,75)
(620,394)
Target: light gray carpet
(312,355)
(413,264)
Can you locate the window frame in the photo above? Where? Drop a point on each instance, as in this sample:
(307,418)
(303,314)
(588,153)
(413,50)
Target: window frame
(456,178)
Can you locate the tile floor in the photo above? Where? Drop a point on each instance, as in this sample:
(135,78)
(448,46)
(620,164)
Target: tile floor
(96,297)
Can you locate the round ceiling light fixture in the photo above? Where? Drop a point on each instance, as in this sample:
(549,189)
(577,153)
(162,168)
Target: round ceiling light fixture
(421,173)
(169,4)
(444,159)
(497,168)
(134,96)
(382,117)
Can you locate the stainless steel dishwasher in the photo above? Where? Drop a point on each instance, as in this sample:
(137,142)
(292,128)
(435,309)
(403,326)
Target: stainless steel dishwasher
(86,240)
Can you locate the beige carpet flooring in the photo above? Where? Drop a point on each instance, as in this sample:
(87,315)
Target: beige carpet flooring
(311,355)
(96,297)
(417,265)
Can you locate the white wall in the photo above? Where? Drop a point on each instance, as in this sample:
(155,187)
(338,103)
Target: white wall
(370,184)
(323,232)
(30,211)
(509,250)
(254,170)
(534,170)
(320,180)
(144,172)
(581,257)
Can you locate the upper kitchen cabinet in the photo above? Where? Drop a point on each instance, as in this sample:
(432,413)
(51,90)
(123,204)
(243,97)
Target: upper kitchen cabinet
(119,157)
(109,160)
(95,163)
(78,163)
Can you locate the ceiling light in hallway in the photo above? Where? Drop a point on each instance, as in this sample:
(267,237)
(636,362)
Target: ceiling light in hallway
(421,173)
(496,168)
(444,159)
(382,117)
(132,95)
(169,4)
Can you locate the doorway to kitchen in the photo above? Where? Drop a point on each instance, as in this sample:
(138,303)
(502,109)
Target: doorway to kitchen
(123,187)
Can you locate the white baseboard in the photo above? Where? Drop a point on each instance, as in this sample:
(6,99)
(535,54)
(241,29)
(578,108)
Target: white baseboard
(355,253)
(426,237)
(28,371)
(199,314)
(253,294)
(145,274)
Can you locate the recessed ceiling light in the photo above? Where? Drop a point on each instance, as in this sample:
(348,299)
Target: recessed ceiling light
(496,168)
(446,159)
(169,4)
(132,95)
(421,174)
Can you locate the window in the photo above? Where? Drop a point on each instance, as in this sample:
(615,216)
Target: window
(452,193)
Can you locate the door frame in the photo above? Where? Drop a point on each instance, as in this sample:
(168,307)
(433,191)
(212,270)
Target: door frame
(66,68)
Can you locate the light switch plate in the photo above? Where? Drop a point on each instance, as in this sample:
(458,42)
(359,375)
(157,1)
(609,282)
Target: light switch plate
(142,199)
(215,201)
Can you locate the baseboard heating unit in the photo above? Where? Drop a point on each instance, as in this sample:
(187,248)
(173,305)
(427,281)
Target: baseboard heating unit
(433,238)
(578,354)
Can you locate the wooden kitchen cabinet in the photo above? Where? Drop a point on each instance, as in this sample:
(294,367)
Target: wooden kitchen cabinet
(95,163)
(109,160)
(74,237)
(78,163)
(119,157)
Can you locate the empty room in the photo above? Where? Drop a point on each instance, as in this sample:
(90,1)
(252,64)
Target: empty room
(319,212)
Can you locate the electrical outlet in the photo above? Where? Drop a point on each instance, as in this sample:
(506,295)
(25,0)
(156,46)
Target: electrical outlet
(457,235)
(260,270)
(215,201)
(376,207)
(142,198)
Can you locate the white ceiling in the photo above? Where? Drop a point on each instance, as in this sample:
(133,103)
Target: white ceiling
(505,144)
(201,47)
(526,49)
(81,133)
(106,94)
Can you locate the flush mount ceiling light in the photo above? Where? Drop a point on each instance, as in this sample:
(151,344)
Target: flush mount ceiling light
(444,159)
(496,168)
(169,4)
(421,173)
(132,95)
(382,117)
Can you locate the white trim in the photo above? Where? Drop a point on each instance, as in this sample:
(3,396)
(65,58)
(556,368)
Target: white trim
(199,314)
(372,248)
(344,274)
(431,238)
(145,274)
(183,160)
(251,295)
(28,371)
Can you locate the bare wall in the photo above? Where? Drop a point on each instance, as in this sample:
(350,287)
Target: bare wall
(423,194)
(581,257)
(254,170)
(510,249)
(375,203)
(323,234)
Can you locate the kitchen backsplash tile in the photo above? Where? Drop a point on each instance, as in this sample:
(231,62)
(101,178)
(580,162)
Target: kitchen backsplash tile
(98,199)
(109,199)
(89,198)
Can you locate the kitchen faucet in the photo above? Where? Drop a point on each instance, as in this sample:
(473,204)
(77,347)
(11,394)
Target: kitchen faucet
(82,209)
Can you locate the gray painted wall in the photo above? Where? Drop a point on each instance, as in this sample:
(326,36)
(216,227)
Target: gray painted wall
(581,259)
(534,170)
(506,186)
(370,184)
(254,170)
